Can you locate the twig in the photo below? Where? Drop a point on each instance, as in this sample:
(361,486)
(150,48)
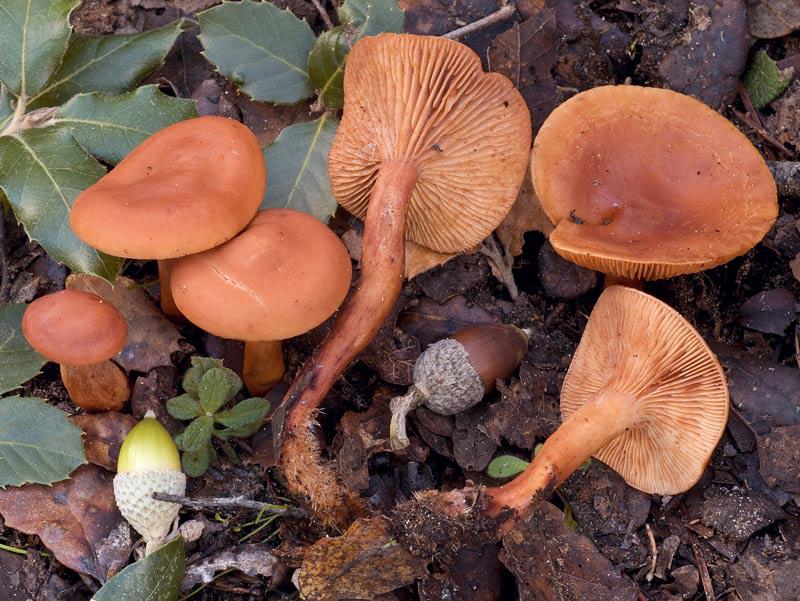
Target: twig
(762,132)
(323,13)
(705,578)
(787,177)
(501,14)
(501,263)
(240,501)
(653,553)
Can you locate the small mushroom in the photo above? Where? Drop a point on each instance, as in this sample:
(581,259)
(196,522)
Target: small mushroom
(81,332)
(646,183)
(282,276)
(187,188)
(644,394)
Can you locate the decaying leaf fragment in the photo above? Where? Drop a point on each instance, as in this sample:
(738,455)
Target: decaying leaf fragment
(103,435)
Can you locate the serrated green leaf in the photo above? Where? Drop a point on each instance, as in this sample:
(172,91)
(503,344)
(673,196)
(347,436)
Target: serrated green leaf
(184,407)
(217,386)
(326,66)
(18,360)
(178,438)
(198,434)
(765,81)
(371,17)
(109,127)
(111,63)
(195,463)
(38,443)
(505,466)
(157,577)
(41,172)
(33,36)
(242,431)
(249,411)
(200,365)
(259,47)
(298,165)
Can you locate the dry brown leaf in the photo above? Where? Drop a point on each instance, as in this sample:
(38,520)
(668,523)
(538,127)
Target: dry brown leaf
(364,562)
(77,519)
(418,258)
(773,18)
(103,435)
(526,215)
(152,338)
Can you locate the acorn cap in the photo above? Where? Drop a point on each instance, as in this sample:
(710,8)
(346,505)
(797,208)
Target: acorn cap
(188,187)
(426,101)
(74,328)
(637,345)
(148,447)
(646,183)
(283,275)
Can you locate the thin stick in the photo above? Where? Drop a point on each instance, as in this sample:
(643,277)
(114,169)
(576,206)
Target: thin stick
(705,577)
(762,132)
(324,14)
(501,14)
(653,553)
(240,501)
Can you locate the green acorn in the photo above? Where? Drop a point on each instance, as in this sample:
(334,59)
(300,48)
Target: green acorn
(149,462)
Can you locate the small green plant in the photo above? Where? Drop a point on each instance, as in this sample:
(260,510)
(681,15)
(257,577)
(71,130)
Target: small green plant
(765,81)
(505,467)
(208,388)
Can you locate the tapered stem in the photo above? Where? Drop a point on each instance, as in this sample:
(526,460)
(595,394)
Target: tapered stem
(580,436)
(99,387)
(168,306)
(263,366)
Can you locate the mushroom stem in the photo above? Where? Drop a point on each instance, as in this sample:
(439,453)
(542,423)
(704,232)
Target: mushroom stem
(263,365)
(580,436)
(168,306)
(99,387)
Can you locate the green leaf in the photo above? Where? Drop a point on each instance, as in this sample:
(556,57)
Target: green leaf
(248,412)
(217,386)
(371,17)
(41,172)
(198,434)
(109,127)
(195,463)
(184,407)
(157,577)
(200,365)
(6,111)
(33,36)
(240,432)
(765,81)
(38,443)
(298,167)
(19,361)
(326,66)
(261,48)
(505,466)
(569,519)
(110,63)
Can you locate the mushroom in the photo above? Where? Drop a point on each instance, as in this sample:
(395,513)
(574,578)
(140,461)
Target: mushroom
(646,183)
(430,148)
(187,188)
(81,332)
(283,275)
(644,394)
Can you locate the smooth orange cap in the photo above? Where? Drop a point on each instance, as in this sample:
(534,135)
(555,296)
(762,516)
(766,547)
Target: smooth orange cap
(74,328)
(283,275)
(188,187)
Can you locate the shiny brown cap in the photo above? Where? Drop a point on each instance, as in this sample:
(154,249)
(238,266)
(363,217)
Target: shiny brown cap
(188,187)
(636,345)
(283,275)
(426,100)
(74,328)
(646,183)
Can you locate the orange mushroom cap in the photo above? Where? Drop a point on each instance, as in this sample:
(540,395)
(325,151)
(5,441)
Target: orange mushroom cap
(426,101)
(638,346)
(647,183)
(74,328)
(188,187)
(283,275)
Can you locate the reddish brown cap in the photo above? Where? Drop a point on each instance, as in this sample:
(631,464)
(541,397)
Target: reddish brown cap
(188,187)
(640,347)
(74,328)
(647,183)
(283,275)
(426,101)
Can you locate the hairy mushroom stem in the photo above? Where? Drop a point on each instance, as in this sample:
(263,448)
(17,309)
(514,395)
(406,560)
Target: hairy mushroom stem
(382,268)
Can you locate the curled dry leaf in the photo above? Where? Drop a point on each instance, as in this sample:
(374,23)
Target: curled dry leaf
(103,435)
(77,519)
(772,18)
(364,562)
(526,215)
(151,337)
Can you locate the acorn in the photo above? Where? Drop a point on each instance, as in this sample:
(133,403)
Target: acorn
(454,374)
(149,462)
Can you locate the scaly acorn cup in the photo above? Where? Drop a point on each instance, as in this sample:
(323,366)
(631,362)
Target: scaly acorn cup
(454,374)
(149,462)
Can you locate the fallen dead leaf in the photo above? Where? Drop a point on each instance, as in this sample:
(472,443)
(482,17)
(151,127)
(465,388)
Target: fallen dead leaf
(358,436)
(561,278)
(759,576)
(253,560)
(103,435)
(737,513)
(474,569)
(526,215)
(770,311)
(772,18)
(429,321)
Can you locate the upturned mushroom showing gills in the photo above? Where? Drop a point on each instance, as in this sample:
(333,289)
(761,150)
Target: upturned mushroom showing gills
(187,188)
(645,183)
(81,332)
(282,276)
(430,149)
